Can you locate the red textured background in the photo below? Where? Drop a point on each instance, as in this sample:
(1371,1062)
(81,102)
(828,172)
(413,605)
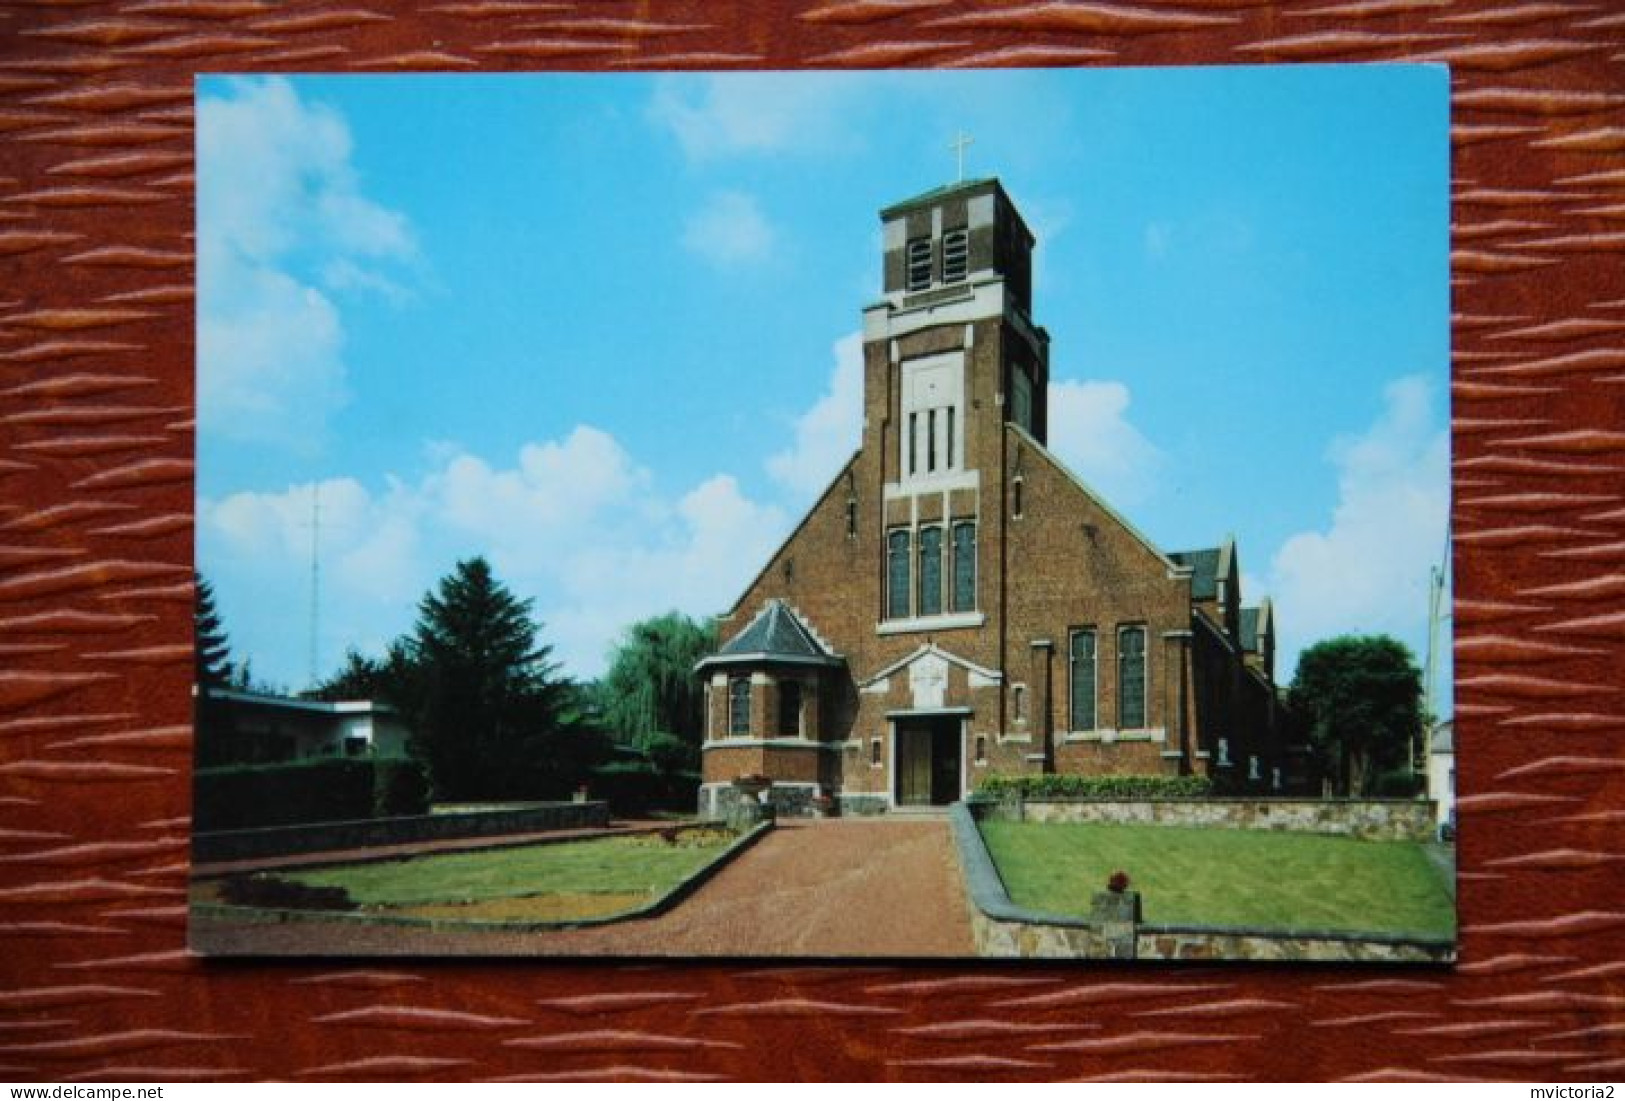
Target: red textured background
(95,553)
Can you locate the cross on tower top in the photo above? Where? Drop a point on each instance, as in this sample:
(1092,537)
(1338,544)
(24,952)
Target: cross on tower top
(958,146)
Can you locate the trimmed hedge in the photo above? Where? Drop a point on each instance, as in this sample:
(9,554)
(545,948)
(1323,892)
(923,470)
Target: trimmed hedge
(400,788)
(1067,786)
(294,793)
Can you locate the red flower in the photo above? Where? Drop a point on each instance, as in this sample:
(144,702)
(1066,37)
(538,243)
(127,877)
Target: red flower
(1118,883)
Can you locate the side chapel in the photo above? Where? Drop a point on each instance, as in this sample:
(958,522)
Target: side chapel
(958,604)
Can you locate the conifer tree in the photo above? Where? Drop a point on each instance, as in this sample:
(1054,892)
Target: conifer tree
(493,717)
(210,648)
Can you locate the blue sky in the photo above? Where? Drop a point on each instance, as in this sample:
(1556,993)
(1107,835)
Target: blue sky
(602,329)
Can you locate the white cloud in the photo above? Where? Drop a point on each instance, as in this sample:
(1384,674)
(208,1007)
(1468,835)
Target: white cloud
(575,523)
(828,433)
(1367,570)
(279,210)
(729,229)
(1090,431)
(753,113)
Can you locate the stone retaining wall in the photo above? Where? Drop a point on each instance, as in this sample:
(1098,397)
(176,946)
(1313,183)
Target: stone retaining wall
(1166,942)
(861,804)
(788,800)
(228,845)
(1366,819)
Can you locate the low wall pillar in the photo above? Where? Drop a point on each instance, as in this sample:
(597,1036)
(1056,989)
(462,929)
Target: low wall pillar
(1117,915)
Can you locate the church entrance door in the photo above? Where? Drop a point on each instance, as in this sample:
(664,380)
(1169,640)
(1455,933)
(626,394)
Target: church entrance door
(928,761)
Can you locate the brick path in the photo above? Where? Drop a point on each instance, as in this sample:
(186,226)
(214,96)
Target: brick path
(886,887)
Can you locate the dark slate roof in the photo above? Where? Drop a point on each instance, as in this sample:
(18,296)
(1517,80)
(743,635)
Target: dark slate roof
(776,634)
(1249,629)
(937,193)
(1204,566)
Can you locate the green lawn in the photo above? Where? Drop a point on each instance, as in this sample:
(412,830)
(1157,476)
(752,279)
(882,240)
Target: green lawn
(1226,877)
(644,866)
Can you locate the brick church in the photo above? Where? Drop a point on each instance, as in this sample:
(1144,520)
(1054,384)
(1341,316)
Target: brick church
(958,604)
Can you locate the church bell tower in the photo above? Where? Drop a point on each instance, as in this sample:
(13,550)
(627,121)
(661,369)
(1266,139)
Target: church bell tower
(951,354)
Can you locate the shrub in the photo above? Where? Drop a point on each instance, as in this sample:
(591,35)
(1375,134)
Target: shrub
(1399,783)
(400,788)
(1062,786)
(634,788)
(267,892)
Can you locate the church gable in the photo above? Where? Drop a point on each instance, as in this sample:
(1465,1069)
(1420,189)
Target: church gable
(823,553)
(1052,496)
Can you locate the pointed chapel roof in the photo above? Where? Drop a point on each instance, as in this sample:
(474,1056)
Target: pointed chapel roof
(1208,565)
(777,634)
(1249,630)
(1256,622)
(1204,566)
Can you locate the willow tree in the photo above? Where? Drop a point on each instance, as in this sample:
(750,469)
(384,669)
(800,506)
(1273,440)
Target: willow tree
(651,688)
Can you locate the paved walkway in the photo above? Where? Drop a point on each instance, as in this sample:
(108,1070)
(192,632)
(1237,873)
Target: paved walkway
(881,887)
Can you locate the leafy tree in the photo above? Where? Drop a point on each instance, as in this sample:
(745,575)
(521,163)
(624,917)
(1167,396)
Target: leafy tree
(1359,700)
(492,717)
(651,688)
(365,678)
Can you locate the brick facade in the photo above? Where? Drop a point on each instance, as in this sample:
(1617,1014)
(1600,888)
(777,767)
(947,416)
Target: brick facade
(914,693)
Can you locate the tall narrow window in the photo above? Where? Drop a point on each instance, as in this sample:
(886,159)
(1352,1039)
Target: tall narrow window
(965,566)
(948,450)
(790,708)
(955,256)
(919,263)
(739,707)
(897,573)
(1021,397)
(930,440)
(1083,680)
(1015,496)
(851,519)
(913,426)
(1131,678)
(930,571)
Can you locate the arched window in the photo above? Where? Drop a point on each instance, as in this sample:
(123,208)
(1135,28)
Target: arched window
(739,707)
(930,571)
(1083,714)
(790,708)
(897,574)
(1131,678)
(965,566)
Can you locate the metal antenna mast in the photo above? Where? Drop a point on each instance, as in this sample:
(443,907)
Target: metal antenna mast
(315,577)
